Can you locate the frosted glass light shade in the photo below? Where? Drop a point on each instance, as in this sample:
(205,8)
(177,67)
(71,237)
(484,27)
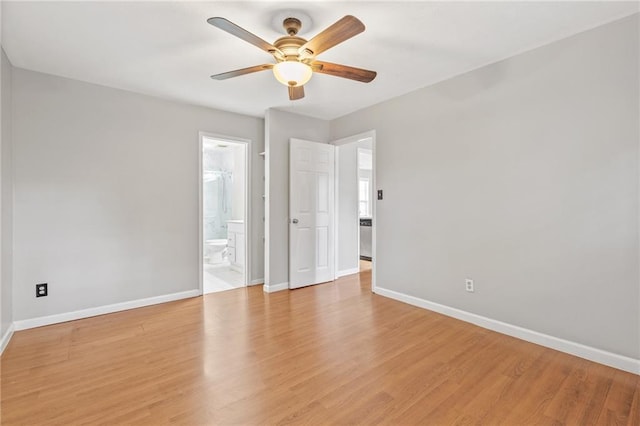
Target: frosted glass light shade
(292,73)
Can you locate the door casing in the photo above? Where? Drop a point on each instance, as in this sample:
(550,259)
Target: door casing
(247,204)
(343,141)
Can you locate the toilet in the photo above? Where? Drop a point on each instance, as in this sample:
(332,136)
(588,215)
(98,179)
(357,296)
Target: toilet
(215,251)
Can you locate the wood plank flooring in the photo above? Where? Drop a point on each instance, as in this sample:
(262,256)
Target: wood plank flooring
(328,354)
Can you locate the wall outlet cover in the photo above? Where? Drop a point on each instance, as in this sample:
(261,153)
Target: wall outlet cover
(42,290)
(468,283)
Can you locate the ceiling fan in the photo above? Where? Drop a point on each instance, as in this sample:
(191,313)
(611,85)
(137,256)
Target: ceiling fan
(295,56)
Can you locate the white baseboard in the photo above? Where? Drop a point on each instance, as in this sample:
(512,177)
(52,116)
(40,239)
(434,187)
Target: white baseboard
(6,337)
(593,354)
(348,272)
(101,310)
(275,287)
(257,282)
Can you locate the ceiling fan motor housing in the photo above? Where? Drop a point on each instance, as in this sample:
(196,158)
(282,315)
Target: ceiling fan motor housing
(289,45)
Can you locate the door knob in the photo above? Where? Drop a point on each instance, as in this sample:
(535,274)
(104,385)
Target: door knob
(294,221)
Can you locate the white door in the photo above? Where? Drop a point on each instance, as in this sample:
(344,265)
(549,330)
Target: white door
(311,210)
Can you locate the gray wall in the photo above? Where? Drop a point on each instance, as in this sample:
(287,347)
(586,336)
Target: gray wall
(6,202)
(522,175)
(280,127)
(106,193)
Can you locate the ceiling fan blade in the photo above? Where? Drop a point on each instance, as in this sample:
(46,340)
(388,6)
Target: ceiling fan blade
(296,93)
(243,71)
(343,71)
(342,30)
(233,29)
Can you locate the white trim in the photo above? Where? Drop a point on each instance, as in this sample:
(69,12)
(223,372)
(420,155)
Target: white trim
(374,211)
(266,239)
(248,151)
(258,281)
(248,209)
(587,352)
(6,337)
(348,272)
(336,211)
(275,287)
(200,218)
(101,310)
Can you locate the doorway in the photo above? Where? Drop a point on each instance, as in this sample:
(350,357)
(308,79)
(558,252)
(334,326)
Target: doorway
(356,205)
(365,203)
(224,194)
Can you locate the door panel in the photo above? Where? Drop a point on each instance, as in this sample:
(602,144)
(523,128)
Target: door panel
(311,209)
(323,241)
(304,192)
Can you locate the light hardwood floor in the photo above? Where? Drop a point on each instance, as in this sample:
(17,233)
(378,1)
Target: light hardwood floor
(328,354)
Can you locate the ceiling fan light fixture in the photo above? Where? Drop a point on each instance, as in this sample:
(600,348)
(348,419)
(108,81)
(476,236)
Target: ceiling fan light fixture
(292,73)
(295,56)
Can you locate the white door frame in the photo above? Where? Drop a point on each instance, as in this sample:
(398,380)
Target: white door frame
(247,204)
(350,139)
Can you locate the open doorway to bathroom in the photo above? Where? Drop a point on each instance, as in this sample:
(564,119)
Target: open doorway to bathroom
(224,211)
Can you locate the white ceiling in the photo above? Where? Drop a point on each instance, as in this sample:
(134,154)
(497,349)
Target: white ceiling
(167,49)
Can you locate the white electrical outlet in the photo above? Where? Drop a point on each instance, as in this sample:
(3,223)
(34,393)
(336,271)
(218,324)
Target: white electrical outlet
(468,283)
